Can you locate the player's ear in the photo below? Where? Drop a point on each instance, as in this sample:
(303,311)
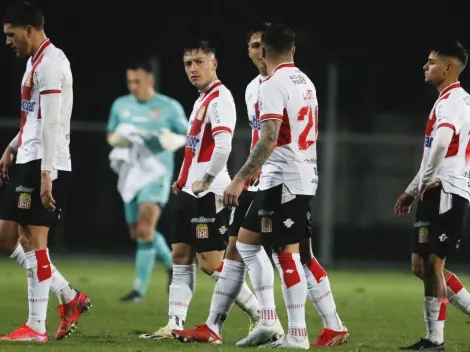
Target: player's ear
(293,51)
(215,64)
(263,53)
(29,31)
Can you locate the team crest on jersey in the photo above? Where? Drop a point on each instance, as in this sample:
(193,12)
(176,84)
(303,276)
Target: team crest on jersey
(266,225)
(202,231)
(154,113)
(200,113)
(24,201)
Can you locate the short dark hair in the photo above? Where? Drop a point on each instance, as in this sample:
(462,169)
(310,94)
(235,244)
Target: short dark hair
(141,63)
(257,28)
(22,14)
(278,38)
(452,49)
(203,45)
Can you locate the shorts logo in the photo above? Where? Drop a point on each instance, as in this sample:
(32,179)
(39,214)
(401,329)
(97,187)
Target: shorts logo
(202,231)
(24,201)
(443,237)
(266,225)
(423,235)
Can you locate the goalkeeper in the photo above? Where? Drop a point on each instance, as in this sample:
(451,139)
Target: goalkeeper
(145,128)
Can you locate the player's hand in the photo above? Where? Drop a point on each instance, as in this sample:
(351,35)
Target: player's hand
(170,141)
(434,183)
(403,204)
(46,191)
(5,163)
(200,186)
(175,189)
(255,178)
(233,191)
(118,141)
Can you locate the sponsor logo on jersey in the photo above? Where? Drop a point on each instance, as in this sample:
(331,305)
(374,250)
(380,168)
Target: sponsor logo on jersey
(192,142)
(27,106)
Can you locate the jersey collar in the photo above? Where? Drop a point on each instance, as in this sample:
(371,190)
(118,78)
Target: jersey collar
(449,88)
(41,49)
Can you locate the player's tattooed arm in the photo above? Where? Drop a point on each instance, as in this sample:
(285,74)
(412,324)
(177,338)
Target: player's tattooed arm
(269,132)
(207,179)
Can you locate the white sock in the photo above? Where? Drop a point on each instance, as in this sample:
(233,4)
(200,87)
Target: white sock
(262,278)
(59,285)
(182,287)
(319,292)
(294,290)
(39,282)
(457,294)
(246,299)
(226,289)
(434,317)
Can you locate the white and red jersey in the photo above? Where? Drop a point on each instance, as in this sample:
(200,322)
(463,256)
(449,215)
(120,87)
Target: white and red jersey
(451,109)
(214,112)
(251,100)
(47,72)
(289,96)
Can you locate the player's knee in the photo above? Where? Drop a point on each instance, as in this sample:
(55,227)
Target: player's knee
(231,252)
(182,254)
(209,261)
(417,270)
(144,232)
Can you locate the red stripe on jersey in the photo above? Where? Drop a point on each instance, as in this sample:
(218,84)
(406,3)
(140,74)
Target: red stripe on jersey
(453,146)
(446,125)
(220,129)
(271,116)
(284,136)
(38,54)
(207,145)
(195,130)
(50,91)
(27,93)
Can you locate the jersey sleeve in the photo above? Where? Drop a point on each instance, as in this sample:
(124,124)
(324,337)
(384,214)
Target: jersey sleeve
(113,120)
(179,122)
(48,78)
(222,114)
(448,114)
(272,101)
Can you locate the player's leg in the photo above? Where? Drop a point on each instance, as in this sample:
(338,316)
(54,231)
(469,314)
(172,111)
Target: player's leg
(159,193)
(438,229)
(457,294)
(230,285)
(289,228)
(320,294)
(32,253)
(183,281)
(260,219)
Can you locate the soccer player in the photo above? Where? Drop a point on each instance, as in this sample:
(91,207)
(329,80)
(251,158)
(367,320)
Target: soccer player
(201,220)
(34,195)
(161,122)
(319,291)
(441,185)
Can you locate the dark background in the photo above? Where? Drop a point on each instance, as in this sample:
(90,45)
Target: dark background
(379,50)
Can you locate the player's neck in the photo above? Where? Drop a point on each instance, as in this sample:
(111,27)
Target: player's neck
(275,62)
(263,73)
(209,84)
(39,38)
(447,82)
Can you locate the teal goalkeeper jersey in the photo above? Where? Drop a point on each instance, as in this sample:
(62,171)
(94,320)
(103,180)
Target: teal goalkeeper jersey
(150,117)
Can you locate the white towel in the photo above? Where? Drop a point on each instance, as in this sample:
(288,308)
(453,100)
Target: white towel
(136,166)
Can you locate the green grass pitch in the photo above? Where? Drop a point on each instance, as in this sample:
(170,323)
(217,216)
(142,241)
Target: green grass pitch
(382,310)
